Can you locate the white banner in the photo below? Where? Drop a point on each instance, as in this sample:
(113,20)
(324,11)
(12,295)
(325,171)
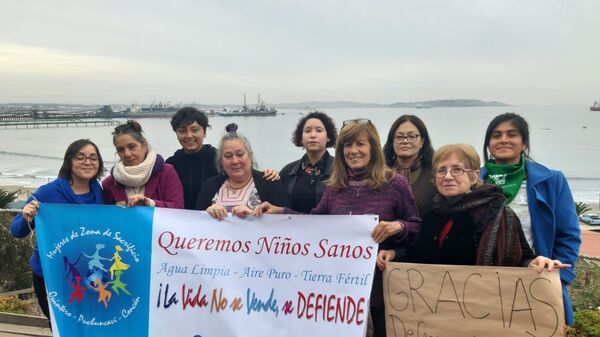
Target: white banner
(273,276)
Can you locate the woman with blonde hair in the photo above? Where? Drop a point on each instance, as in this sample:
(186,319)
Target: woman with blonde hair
(361,183)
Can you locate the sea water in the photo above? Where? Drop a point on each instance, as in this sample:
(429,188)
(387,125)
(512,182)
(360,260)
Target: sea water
(562,137)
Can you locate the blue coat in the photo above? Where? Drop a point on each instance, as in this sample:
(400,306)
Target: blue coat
(59,192)
(555,225)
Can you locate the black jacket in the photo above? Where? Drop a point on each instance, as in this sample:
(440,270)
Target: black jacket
(271,191)
(289,174)
(194,170)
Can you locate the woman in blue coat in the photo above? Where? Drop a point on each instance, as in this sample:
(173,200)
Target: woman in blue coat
(77,183)
(540,197)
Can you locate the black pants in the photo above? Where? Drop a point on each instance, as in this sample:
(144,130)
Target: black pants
(378,317)
(40,291)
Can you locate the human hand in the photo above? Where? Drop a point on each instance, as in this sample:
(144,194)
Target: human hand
(268,208)
(271,175)
(30,210)
(385,256)
(385,229)
(541,262)
(139,200)
(241,211)
(217,211)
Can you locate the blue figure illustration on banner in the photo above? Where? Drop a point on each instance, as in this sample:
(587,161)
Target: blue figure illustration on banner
(97,268)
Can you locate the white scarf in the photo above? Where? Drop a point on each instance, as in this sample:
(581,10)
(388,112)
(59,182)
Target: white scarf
(135,176)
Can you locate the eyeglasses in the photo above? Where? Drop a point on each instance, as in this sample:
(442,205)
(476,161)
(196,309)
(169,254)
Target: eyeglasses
(411,138)
(454,171)
(81,158)
(359,121)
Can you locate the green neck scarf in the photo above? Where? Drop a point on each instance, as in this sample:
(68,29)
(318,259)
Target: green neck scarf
(509,177)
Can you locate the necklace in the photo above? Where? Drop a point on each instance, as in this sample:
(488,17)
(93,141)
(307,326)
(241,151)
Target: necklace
(239,187)
(358,190)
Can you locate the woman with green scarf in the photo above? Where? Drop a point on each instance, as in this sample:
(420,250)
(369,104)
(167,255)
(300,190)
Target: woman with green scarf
(540,197)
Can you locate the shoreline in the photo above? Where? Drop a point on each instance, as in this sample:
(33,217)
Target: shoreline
(26,191)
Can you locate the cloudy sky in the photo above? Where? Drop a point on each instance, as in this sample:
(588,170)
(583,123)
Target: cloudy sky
(515,51)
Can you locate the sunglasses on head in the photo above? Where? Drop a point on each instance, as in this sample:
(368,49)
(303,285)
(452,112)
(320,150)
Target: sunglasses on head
(359,121)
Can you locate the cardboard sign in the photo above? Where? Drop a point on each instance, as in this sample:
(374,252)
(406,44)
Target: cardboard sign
(448,300)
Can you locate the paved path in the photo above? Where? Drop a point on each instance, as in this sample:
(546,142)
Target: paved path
(590,243)
(11,330)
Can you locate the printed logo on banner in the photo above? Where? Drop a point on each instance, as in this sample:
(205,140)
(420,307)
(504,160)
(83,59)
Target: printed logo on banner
(99,268)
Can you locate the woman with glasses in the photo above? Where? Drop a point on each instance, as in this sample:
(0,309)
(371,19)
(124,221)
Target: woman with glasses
(304,179)
(468,222)
(141,176)
(77,183)
(540,197)
(408,150)
(361,183)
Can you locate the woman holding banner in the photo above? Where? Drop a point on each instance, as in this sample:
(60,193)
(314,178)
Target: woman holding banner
(141,176)
(361,183)
(241,187)
(468,222)
(540,197)
(77,183)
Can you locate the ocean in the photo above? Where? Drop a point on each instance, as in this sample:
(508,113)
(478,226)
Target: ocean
(562,137)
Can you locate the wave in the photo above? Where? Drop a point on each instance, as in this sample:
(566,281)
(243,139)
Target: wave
(28,155)
(25,175)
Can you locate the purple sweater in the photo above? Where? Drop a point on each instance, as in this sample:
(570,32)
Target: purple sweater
(393,201)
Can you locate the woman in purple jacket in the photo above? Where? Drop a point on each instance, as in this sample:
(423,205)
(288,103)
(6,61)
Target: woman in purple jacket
(141,176)
(361,183)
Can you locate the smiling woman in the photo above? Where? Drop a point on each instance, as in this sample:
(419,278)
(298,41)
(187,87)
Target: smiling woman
(77,183)
(140,177)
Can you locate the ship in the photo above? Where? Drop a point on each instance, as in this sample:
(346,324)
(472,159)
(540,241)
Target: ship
(595,107)
(260,110)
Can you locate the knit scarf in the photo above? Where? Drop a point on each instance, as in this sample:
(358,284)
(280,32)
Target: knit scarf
(135,176)
(412,172)
(496,225)
(509,177)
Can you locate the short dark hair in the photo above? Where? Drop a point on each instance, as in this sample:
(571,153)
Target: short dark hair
(131,127)
(517,121)
(189,115)
(426,152)
(67,166)
(327,122)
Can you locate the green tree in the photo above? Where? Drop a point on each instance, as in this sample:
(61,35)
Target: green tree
(581,207)
(7,197)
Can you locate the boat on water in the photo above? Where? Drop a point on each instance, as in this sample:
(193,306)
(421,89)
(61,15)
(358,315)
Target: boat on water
(595,107)
(260,110)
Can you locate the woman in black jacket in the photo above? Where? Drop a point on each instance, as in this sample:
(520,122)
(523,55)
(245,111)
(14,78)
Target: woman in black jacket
(240,188)
(304,179)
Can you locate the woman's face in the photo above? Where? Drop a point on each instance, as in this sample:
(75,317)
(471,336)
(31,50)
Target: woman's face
(236,160)
(403,147)
(357,154)
(131,151)
(450,185)
(191,137)
(314,135)
(85,163)
(506,144)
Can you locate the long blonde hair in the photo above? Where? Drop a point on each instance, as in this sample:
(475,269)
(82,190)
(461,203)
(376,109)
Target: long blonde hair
(378,174)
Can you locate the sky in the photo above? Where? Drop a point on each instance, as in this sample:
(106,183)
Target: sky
(212,52)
